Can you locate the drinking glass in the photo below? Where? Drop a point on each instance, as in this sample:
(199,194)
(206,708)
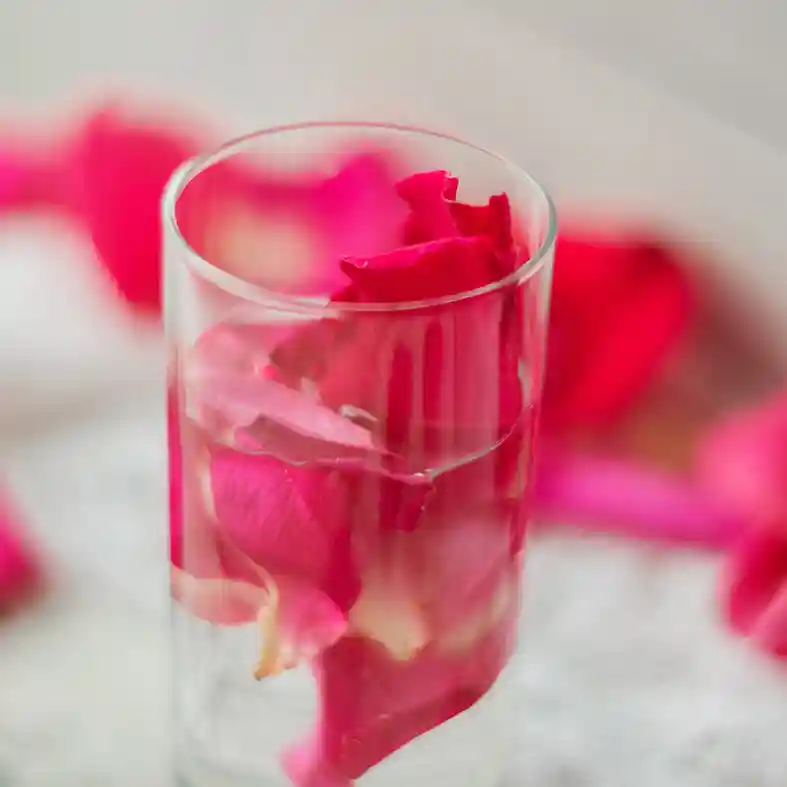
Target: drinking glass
(356,316)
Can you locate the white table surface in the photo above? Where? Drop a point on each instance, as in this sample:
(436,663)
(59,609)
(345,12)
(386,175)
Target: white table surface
(627,679)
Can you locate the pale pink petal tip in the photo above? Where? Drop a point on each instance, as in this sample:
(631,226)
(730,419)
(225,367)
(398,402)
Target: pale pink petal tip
(304,768)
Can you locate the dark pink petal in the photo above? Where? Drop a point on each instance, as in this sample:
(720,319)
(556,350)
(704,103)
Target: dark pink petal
(771,631)
(432,385)
(20,570)
(435,384)
(26,177)
(13,178)
(744,460)
(118,174)
(359,208)
(755,588)
(373,705)
(618,309)
(427,195)
(445,382)
(288,232)
(288,519)
(456,391)
(233,394)
(492,221)
(213,579)
(340,359)
(429,270)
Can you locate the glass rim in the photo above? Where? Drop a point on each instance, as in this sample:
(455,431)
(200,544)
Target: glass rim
(237,286)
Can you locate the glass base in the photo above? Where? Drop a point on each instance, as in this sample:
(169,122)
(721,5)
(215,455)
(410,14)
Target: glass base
(470,750)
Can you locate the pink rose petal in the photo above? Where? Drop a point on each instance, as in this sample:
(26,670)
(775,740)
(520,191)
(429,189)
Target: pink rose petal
(306,767)
(309,621)
(287,232)
(216,581)
(744,460)
(428,194)
(756,586)
(359,207)
(492,221)
(118,174)
(430,270)
(297,621)
(287,519)
(439,386)
(20,570)
(373,705)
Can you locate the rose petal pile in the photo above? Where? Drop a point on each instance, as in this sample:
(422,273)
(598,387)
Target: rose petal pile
(354,484)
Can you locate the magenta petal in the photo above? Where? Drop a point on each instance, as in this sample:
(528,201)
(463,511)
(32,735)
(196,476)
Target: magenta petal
(427,195)
(373,705)
(288,519)
(287,231)
(756,584)
(744,460)
(429,270)
(20,570)
(492,221)
(118,174)
(435,384)
(360,209)
(432,385)
(21,181)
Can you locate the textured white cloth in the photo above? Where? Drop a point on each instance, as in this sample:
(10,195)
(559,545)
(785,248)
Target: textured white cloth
(627,677)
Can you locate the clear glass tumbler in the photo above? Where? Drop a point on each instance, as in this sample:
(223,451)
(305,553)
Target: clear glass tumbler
(356,315)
